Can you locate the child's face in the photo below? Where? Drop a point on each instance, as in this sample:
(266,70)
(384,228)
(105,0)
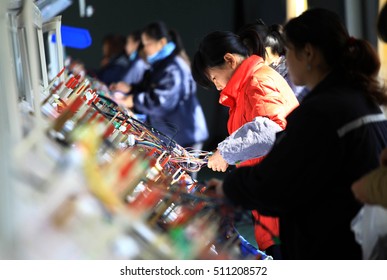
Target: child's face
(131,45)
(220,75)
(151,46)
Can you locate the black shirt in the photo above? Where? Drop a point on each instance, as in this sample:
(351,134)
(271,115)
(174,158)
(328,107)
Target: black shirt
(333,138)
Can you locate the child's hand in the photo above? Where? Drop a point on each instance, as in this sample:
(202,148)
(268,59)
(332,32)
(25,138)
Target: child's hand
(217,163)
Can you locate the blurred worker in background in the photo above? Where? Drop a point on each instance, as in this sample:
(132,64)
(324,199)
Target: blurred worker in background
(137,61)
(167,93)
(115,61)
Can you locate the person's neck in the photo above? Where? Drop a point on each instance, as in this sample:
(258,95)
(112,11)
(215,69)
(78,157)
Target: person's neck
(316,77)
(272,59)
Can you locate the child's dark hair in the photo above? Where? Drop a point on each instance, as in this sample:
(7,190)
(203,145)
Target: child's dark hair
(115,44)
(354,58)
(157,30)
(271,36)
(215,45)
(275,40)
(136,35)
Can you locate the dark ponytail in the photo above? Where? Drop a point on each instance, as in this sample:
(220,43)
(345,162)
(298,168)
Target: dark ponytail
(179,50)
(360,64)
(215,45)
(271,36)
(157,30)
(175,37)
(252,40)
(136,35)
(355,59)
(275,40)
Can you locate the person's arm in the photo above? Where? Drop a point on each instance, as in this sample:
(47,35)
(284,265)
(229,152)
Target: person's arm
(135,73)
(252,140)
(123,100)
(288,173)
(372,188)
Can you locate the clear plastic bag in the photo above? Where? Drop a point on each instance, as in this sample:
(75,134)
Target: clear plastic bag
(370,228)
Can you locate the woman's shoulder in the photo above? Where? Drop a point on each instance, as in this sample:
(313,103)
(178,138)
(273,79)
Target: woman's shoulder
(265,71)
(177,64)
(267,77)
(338,103)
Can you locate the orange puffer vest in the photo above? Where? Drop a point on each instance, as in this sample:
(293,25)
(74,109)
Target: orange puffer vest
(256,89)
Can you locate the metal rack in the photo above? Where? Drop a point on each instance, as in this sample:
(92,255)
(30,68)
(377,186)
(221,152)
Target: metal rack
(81,205)
(20,69)
(11,134)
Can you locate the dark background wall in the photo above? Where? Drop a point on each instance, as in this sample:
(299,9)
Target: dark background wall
(193,19)
(270,11)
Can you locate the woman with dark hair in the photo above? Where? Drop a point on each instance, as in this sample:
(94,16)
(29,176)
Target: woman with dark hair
(114,62)
(273,42)
(137,64)
(331,139)
(252,91)
(167,93)
(272,38)
(135,70)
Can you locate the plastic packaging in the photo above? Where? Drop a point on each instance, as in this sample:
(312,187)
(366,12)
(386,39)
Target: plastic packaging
(370,226)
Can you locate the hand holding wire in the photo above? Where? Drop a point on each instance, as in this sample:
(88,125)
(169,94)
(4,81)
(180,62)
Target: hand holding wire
(217,163)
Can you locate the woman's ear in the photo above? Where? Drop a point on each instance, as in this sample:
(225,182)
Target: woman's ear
(309,52)
(163,41)
(231,60)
